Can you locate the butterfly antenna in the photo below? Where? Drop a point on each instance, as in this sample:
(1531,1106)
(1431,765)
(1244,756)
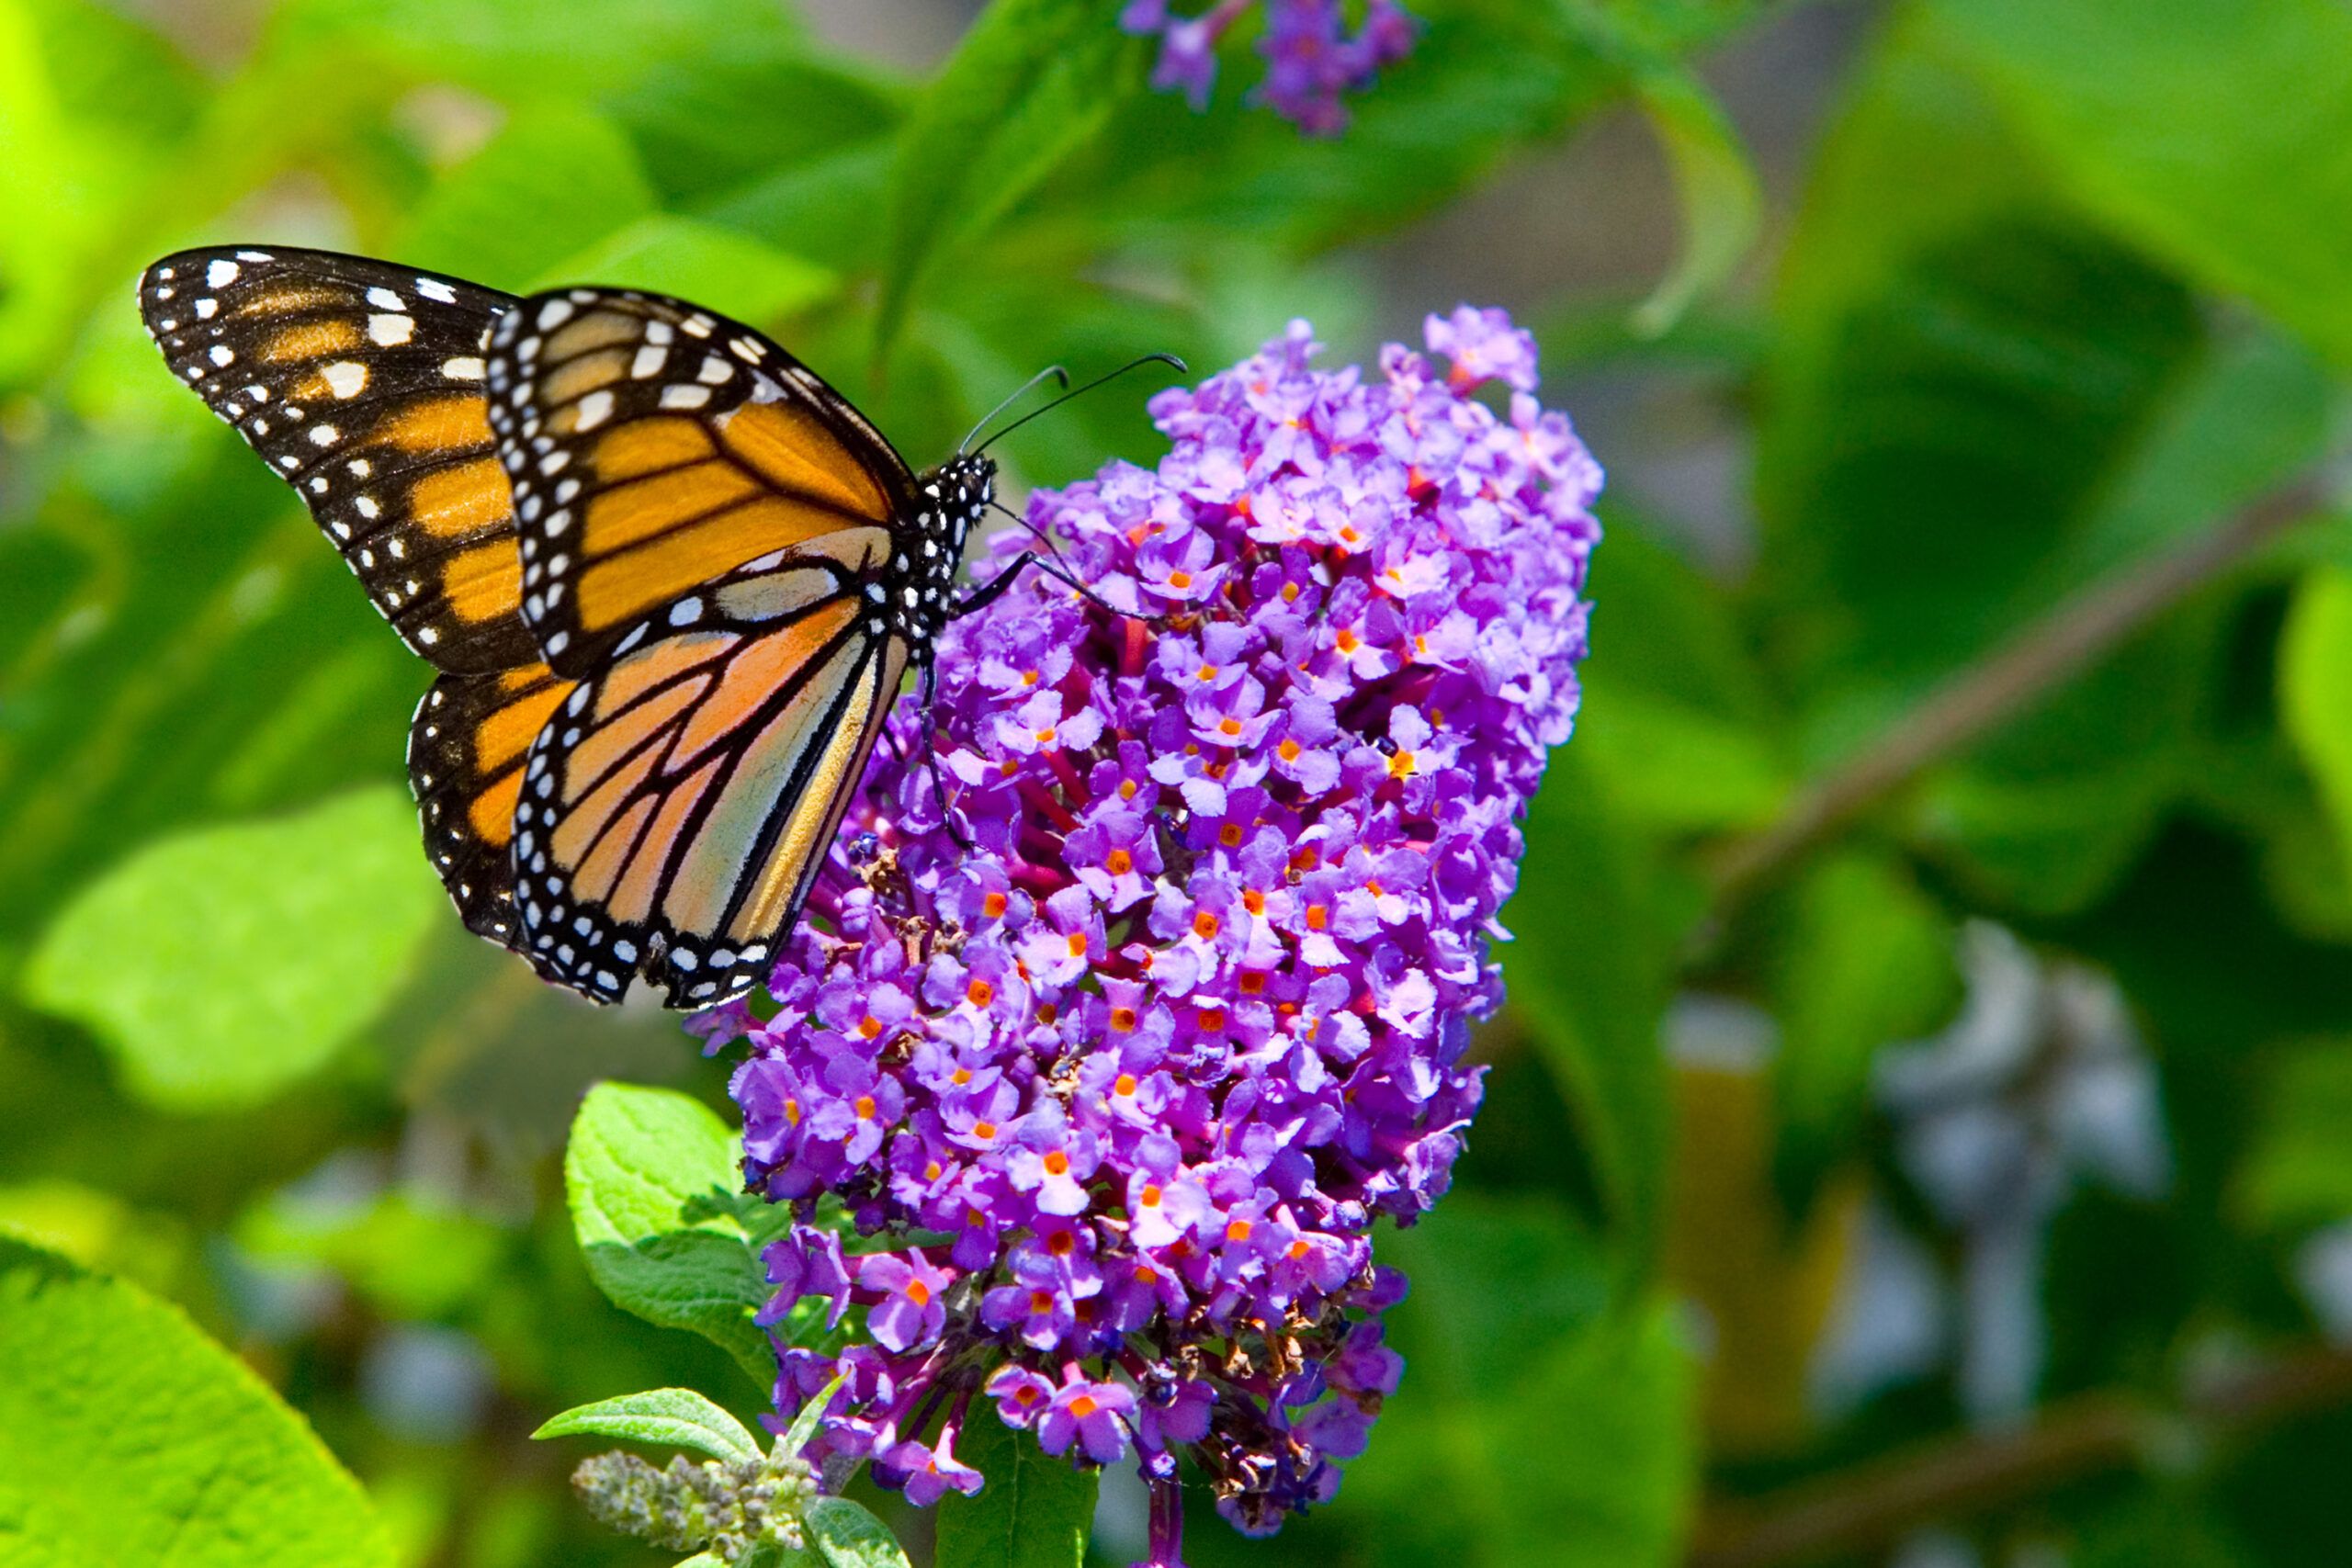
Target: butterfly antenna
(1053,372)
(1168,359)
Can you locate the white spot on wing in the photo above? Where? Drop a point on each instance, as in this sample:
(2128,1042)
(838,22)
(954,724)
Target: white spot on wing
(390,332)
(345,377)
(221,272)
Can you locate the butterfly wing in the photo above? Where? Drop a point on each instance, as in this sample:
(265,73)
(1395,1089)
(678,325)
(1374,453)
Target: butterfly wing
(465,750)
(653,447)
(361,385)
(677,809)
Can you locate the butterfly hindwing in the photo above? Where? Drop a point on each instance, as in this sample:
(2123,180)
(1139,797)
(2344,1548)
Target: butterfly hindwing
(653,447)
(677,806)
(465,750)
(361,385)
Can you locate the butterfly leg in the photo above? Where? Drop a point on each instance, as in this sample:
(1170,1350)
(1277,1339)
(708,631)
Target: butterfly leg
(996,587)
(931,756)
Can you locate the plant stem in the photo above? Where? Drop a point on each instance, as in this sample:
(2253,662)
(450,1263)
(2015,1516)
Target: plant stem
(2008,681)
(1877,1504)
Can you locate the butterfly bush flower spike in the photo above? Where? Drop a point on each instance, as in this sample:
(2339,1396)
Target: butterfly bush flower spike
(1311,55)
(1114,1097)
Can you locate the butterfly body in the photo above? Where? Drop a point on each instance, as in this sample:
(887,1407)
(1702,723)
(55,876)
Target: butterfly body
(673,581)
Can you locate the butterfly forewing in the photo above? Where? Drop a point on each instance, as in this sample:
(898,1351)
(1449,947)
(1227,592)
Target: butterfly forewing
(362,385)
(675,811)
(653,447)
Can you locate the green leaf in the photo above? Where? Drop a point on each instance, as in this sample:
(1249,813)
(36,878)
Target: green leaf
(1035,1511)
(1589,969)
(655,1183)
(1031,82)
(1723,207)
(2296,1174)
(407,1255)
(552,183)
(126,1435)
(2214,132)
(1964,367)
(702,262)
(219,967)
(2315,690)
(1863,961)
(1513,1347)
(677,1417)
(847,1536)
(803,1425)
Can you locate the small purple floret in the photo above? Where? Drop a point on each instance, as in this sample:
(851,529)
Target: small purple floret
(1114,1099)
(1312,58)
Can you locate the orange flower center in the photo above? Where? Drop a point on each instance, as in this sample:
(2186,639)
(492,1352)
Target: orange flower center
(1150,1195)
(1229,835)
(1238,1231)
(865,1108)
(1204,925)
(1400,766)
(1083,1406)
(1346,640)
(1124,1084)
(1123,1018)
(1289,749)
(1118,862)
(960,1076)
(1253,900)
(993,905)
(1078,944)
(1180,580)
(1212,1022)
(981,993)
(918,1292)
(871,1027)
(1229,726)
(984,1131)
(1317,916)
(1056,1162)
(1252,982)
(1060,1242)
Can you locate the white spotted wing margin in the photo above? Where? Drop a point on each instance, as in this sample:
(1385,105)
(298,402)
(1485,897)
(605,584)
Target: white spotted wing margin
(360,384)
(676,808)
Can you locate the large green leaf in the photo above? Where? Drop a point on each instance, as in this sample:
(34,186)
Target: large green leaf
(655,1183)
(127,1436)
(1589,969)
(1861,959)
(1514,1354)
(1034,1512)
(1963,366)
(2296,1174)
(1032,81)
(2315,690)
(220,965)
(2217,134)
(554,181)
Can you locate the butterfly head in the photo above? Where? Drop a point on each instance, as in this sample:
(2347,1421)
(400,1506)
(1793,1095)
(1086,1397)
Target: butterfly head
(949,503)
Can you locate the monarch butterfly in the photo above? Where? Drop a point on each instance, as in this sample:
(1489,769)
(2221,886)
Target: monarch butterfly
(672,581)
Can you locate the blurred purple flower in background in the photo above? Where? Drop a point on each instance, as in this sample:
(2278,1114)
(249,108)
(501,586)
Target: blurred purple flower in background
(1311,57)
(1114,1097)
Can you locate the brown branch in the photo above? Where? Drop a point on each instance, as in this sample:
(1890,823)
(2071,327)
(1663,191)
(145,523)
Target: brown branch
(1876,1505)
(2006,682)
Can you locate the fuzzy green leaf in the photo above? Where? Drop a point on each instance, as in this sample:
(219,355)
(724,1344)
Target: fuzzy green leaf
(847,1536)
(220,965)
(656,1187)
(677,1417)
(126,1435)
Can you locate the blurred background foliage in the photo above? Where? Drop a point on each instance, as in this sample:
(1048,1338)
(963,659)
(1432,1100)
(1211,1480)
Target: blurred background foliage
(1922,1130)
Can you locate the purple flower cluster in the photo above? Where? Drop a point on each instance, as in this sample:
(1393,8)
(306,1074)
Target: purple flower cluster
(1311,57)
(1113,1077)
